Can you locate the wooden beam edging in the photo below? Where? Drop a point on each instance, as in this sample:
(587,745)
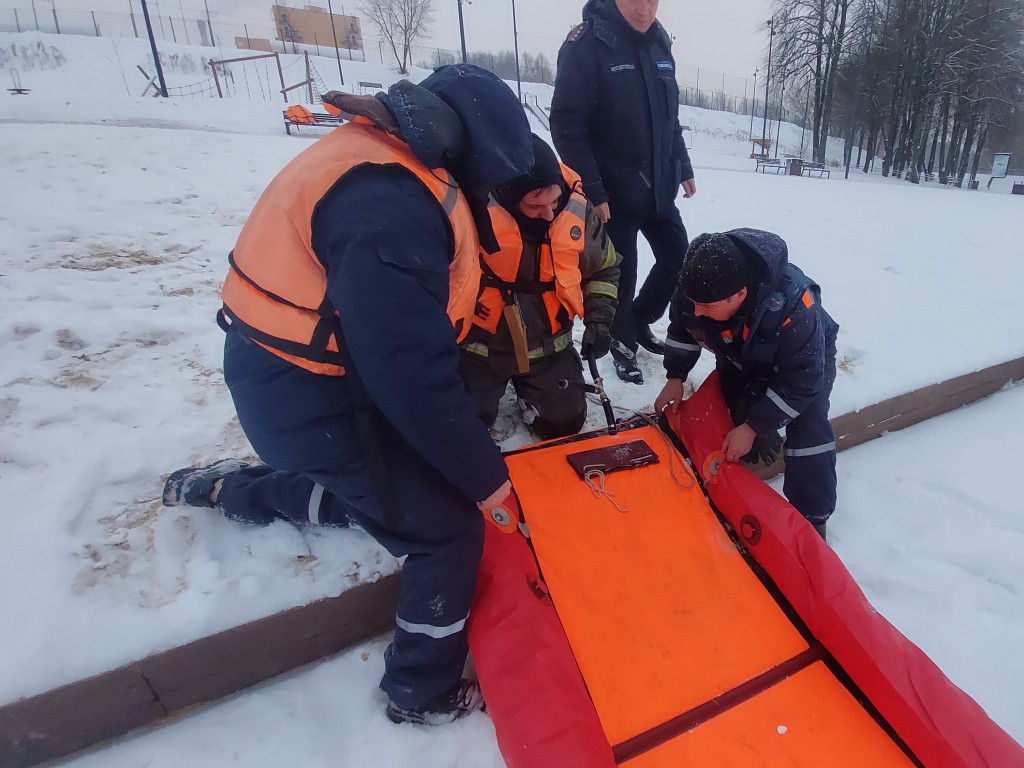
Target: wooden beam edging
(80,715)
(74,717)
(912,408)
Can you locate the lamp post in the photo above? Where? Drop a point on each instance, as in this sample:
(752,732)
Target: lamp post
(753,104)
(209,24)
(768,78)
(778,122)
(462,33)
(515,38)
(337,53)
(152,45)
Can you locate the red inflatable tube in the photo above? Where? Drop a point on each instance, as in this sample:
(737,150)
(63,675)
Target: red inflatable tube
(942,725)
(542,713)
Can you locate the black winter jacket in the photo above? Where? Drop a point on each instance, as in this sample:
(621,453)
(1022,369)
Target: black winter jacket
(779,340)
(615,113)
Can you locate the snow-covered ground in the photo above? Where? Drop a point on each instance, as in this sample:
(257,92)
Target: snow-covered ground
(117,215)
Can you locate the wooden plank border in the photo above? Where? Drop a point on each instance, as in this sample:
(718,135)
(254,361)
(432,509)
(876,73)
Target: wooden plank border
(912,408)
(80,715)
(74,717)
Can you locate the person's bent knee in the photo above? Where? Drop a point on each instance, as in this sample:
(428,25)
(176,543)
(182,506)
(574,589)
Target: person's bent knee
(549,429)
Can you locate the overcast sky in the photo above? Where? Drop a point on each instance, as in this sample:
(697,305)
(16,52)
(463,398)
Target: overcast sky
(720,37)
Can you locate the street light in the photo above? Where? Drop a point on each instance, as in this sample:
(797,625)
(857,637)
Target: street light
(768,79)
(515,37)
(152,45)
(209,24)
(753,104)
(462,32)
(337,53)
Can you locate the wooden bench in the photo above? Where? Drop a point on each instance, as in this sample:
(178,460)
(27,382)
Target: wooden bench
(319,120)
(764,163)
(817,168)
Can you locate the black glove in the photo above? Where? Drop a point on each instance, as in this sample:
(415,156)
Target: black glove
(597,340)
(740,396)
(765,449)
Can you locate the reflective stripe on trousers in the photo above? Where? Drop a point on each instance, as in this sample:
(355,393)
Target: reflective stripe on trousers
(430,630)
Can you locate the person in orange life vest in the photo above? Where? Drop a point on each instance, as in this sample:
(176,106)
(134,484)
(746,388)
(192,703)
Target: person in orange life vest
(775,351)
(554,263)
(348,289)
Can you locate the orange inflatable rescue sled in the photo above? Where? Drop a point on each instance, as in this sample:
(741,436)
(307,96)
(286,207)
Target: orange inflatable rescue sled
(653,617)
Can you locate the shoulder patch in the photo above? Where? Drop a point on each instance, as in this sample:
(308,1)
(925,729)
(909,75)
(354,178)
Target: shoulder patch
(576,33)
(776,301)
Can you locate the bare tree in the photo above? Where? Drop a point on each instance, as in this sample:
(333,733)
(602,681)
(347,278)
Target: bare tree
(400,23)
(811,37)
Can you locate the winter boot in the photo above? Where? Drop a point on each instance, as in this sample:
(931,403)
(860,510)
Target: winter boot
(646,338)
(625,363)
(193,486)
(820,528)
(444,708)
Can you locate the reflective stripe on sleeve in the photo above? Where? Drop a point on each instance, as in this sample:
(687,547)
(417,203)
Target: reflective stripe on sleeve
(670,342)
(314,503)
(781,404)
(438,633)
(576,208)
(451,196)
(813,451)
(601,288)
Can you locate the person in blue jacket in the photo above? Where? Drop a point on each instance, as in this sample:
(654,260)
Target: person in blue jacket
(775,353)
(615,121)
(348,288)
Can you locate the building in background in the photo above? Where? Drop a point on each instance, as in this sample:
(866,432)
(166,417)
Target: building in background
(311,26)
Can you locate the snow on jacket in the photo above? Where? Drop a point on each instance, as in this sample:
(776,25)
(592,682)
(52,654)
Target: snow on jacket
(615,113)
(778,340)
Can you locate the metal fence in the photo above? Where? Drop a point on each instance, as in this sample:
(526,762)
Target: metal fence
(170,24)
(174,21)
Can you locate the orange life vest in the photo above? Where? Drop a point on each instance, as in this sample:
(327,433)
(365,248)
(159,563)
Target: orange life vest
(276,288)
(559,267)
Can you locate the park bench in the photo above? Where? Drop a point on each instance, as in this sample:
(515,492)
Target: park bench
(764,163)
(816,168)
(298,116)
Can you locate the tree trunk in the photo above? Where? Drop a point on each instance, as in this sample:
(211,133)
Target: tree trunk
(943,173)
(982,138)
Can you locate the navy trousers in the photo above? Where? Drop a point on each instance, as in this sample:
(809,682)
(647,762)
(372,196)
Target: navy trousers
(299,425)
(667,238)
(810,448)
(548,410)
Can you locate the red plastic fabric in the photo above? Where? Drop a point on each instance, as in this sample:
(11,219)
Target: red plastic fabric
(942,725)
(542,713)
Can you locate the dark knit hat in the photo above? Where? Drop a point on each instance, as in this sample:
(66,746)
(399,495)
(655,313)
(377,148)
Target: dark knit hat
(714,269)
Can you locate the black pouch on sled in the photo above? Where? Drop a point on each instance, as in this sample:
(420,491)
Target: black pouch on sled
(635,453)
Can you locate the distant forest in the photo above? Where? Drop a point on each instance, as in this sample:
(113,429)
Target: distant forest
(932,86)
(532,68)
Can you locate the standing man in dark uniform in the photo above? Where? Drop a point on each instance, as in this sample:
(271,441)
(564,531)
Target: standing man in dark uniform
(615,121)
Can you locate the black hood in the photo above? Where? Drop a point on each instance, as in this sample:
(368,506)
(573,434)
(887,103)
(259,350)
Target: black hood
(546,172)
(467,120)
(470,120)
